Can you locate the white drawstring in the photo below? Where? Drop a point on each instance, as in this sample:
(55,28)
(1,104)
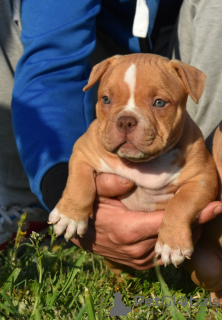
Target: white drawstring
(141,19)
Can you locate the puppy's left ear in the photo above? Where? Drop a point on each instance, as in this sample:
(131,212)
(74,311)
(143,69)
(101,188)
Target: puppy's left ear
(192,78)
(98,70)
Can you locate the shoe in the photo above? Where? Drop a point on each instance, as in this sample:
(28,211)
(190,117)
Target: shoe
(37,218)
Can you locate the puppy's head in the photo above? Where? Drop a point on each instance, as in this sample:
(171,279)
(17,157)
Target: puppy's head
(141,105)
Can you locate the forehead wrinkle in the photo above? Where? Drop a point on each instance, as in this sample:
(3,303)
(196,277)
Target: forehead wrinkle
(161,91)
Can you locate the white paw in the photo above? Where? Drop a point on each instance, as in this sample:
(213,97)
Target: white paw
(173,256)
(63,224)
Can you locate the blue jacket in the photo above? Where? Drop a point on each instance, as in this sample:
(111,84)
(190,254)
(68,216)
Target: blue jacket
(49,109)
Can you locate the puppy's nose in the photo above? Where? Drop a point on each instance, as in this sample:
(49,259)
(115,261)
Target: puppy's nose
(126,124)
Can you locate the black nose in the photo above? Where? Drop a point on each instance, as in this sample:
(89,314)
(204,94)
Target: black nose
(126,124)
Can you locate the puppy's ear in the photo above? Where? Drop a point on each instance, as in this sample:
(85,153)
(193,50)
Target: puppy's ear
(98,70)
(193,79)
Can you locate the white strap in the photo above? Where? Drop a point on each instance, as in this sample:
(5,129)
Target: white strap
(141,19)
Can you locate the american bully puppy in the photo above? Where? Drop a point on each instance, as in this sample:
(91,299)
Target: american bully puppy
(143,132)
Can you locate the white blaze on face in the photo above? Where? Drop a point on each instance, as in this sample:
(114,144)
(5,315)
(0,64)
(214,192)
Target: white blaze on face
(130,79)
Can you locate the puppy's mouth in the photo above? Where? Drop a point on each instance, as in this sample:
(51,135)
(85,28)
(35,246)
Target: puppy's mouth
(128,151)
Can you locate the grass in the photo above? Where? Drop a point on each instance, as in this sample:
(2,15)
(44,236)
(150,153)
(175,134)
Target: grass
(48,279)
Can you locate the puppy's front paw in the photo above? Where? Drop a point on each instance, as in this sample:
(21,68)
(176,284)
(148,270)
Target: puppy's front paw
(174,256)
(174,247)
(63,224)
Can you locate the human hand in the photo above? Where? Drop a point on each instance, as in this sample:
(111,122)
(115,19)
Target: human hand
(124,236)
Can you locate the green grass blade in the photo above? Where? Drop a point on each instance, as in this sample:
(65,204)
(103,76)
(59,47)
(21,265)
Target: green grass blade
(74,299)
(13,276)
(6,297)
(73,273)
(37,315)
(79,316)
(218,316)
(175,314)
(6,308)
(101,312)
(125,295)
(202,313)
(89,305)
(163,317)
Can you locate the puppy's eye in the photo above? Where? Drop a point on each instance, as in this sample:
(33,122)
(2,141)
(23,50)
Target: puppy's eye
(106,100)
(159,103)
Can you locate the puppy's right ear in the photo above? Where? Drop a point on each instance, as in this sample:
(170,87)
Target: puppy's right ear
(98,70)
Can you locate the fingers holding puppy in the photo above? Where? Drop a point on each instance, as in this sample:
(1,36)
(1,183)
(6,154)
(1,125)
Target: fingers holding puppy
(111,185)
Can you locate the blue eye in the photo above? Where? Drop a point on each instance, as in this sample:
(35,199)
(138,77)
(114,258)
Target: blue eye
(159,103)
(106,100)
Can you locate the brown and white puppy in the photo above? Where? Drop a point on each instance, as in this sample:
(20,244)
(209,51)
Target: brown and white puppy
(143,132)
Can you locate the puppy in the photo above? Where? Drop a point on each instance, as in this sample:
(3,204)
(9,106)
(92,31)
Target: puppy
(143,132)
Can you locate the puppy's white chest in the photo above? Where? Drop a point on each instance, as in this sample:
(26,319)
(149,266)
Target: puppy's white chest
(153,175)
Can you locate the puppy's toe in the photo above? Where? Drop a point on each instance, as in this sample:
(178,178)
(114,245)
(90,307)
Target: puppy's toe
(158,249)
(82,227)
(188,252)
(166,255)
(54,216)
(177,257)
(164,251)
(61,225)
(71,230)
(76,227)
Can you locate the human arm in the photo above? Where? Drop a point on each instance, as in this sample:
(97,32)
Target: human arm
(199,34)
(49,109)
